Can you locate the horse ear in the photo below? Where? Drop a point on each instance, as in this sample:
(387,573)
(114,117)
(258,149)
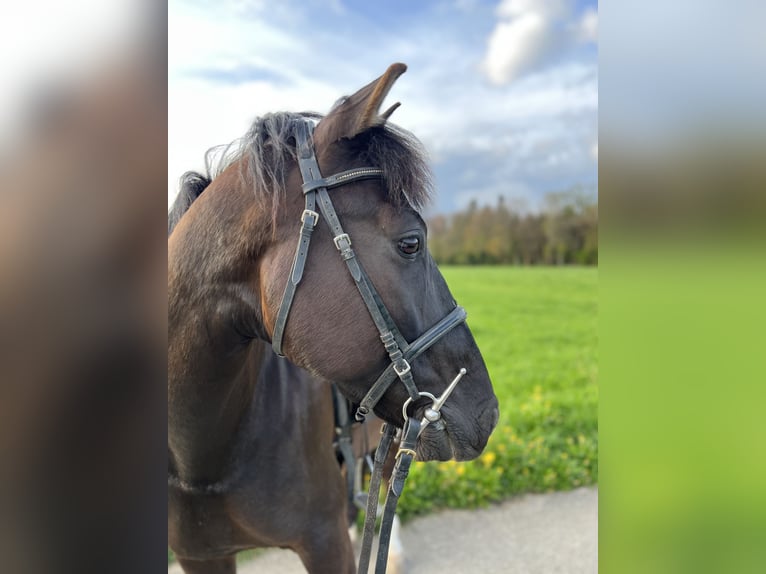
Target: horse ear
(359,112)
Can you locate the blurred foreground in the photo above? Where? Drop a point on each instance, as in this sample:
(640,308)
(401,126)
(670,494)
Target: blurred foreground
(682,280)
(82,299)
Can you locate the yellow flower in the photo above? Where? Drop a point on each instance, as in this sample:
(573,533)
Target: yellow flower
(460,470)
(488,458)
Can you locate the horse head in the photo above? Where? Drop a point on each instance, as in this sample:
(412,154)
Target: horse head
(328,327)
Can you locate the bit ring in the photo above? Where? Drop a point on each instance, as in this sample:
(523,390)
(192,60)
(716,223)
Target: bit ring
(409,400)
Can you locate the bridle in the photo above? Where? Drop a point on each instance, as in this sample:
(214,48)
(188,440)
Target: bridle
(400,352)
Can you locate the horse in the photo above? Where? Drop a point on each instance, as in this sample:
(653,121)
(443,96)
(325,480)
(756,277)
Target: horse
(259,315)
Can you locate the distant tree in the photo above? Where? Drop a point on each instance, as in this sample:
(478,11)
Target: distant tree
(589,253)
(500,243)
(531,237)
(565,231)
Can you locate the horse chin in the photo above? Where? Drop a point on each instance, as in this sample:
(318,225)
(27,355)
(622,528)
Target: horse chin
(437,443)
(434,444)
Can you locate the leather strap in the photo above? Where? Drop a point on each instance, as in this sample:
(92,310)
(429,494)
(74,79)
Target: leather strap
(342,178)
(309,219)
(388,332)
(343,431)
(309,170)
(310,173)
(404,458)
(314,186)
(373,494)
(411,352)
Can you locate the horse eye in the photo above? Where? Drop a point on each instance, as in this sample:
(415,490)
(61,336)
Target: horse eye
(409,245)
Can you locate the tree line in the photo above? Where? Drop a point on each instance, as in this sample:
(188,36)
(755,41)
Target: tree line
(564,231)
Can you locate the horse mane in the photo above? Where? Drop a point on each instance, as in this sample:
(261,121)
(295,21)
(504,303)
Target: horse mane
(267,153)
(192,186)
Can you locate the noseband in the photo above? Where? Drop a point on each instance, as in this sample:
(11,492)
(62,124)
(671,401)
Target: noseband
(400,352)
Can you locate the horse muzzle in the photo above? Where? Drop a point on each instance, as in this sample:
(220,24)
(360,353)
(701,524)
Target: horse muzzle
(435,442)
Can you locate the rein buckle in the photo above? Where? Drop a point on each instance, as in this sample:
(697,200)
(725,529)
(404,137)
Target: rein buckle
(342,237)
(312,214)
(406,369)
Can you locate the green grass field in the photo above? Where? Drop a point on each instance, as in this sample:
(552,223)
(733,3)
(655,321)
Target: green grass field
(537,330)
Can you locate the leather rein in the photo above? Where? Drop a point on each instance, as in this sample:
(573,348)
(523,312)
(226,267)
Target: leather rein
(400,352)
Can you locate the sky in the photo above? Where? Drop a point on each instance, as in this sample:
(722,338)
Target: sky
(503,94)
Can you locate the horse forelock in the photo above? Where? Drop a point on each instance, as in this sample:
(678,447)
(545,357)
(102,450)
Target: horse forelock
(403,160)
(267,155)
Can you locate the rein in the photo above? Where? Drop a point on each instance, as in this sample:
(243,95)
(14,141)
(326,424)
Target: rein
(400,352)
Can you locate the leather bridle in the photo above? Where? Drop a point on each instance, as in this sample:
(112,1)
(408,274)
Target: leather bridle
(400,352)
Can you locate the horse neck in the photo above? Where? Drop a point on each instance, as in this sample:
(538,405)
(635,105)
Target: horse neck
(213,305)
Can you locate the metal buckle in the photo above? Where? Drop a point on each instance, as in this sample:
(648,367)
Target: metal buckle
(404,371)
(313,214)
(339,238)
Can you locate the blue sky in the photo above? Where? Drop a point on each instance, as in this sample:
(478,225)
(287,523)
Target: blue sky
(503,94)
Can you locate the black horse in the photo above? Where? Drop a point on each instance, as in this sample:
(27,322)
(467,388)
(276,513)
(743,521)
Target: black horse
(250,462)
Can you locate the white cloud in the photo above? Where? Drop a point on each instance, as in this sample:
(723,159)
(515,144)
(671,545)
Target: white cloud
(530,34)
(516,8)
(587,29)
(507,119)
(516,46)
(523,38)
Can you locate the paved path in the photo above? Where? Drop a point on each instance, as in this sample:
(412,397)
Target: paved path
(532,534)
